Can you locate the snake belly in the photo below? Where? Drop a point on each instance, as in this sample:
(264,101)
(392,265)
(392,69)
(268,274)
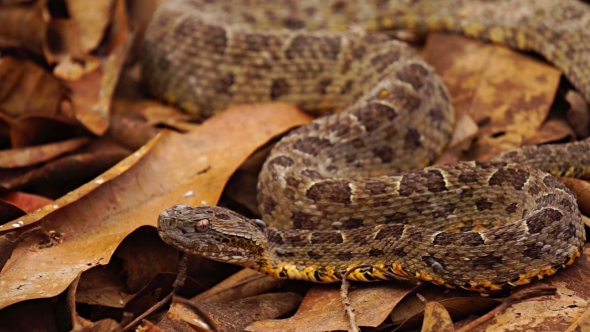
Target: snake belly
(354,184)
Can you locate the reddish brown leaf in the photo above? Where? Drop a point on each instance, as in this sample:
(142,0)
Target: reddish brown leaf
(34,155)
(24,201)
(37,130)
(58,177)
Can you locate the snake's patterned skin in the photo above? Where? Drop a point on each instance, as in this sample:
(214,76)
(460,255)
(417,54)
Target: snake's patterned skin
(479,226)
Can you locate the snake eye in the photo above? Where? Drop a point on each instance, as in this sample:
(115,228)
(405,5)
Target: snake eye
(202,225)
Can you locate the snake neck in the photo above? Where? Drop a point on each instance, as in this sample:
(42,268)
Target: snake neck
(326,255)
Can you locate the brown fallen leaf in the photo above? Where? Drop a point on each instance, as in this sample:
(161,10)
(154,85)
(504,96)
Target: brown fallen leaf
(244,283)
(552,130)
(26,26)
(103,286)
(59,176)
(459,303)
(156,257)
(9,211)
(24,201)
(90,19)
(19,317)
(463,135)
(33,155)
(26,88)
(436,318)
(322,309)
(130,130)
(170,169)
(78,323)
(154,113)
(508,94)
(32,130)
(230,315)
(91,94)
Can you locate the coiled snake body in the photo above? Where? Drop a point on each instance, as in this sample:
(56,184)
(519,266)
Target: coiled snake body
(346,181)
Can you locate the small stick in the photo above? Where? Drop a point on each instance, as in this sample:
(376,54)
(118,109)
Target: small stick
(344,293)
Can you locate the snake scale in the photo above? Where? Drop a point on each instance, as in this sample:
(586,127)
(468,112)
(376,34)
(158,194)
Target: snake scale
(355,184)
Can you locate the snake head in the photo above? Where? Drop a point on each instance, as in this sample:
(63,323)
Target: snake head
(213,232)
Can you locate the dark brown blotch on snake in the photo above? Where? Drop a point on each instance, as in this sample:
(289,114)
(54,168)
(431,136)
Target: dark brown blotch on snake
(396,116)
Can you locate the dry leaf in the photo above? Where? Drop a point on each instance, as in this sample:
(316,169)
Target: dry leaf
(26,88)
(231,315)
(91,94)
(322,309)
(94,219)
(26,26)
(436,319)
(24,201)
(552,130)
(91,19)
(34,155)
(508,94)
(242,284)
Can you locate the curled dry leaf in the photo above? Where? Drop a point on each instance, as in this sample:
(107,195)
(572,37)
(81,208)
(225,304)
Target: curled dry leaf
(170,169)
(91,94)
(156,257)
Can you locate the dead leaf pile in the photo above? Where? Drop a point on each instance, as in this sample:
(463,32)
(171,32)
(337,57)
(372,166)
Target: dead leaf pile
(86,167)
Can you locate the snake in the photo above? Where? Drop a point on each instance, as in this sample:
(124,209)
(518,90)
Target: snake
(355,184)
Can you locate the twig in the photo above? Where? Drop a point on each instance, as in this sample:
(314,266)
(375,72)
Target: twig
(344,293)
